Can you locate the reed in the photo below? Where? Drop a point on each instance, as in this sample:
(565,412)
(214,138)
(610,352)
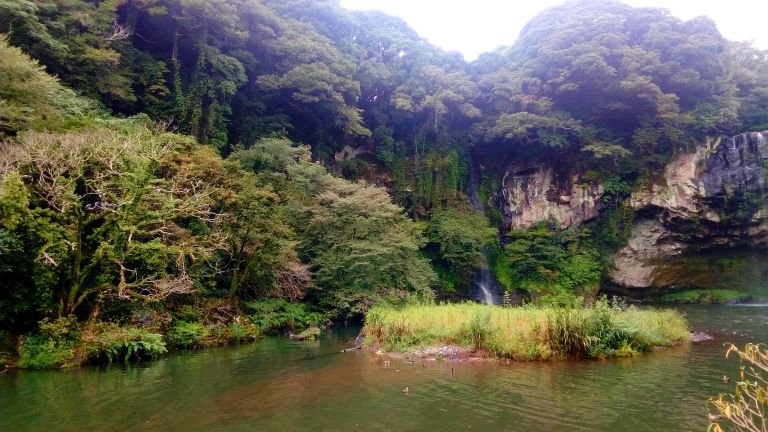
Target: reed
(527,333)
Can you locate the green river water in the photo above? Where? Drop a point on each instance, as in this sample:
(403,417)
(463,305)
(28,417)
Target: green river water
(279,385)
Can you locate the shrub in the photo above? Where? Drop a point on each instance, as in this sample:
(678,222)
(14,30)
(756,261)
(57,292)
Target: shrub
(186,334)
(53,347)
(43,352)
(111,342)
(189,313)
(279,315)
(310,333)
(241,329)
(705,296)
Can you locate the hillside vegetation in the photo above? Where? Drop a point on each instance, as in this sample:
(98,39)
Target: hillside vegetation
(211,169)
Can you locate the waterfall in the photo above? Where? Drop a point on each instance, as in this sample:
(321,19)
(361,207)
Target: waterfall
(485,282)
(487,289)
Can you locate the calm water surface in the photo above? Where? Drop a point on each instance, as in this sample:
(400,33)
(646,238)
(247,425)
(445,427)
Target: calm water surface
(279,385)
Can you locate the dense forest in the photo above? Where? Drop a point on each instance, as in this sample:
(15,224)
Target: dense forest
(211,169)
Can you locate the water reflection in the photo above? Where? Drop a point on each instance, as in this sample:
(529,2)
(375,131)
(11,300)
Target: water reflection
(279,385)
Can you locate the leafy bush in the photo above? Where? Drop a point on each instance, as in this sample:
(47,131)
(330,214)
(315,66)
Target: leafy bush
(186,334)
(457,243)
(189,313)
(279,315)
(240,330)
(44,352)
(53,346)
(112,342)
(29,97)
(546,260)
(705,296)
(309,333)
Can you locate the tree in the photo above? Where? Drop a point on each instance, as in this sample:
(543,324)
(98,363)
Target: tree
(259,253)
(458,242)
(120,211)
(362,248)
(546,260)
(30,98)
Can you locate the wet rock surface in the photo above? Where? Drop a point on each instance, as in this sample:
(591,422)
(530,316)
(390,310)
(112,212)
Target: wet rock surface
(531,195)
(710,198)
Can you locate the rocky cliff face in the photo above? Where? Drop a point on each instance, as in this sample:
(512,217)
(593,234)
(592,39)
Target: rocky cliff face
(713,198)
(532,195)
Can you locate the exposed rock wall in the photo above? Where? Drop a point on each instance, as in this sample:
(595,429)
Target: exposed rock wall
(712,197)
(532,195)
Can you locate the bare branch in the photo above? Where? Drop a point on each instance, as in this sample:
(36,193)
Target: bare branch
(119,32)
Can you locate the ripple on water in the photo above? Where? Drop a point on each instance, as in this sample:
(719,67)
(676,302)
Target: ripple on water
(278,385)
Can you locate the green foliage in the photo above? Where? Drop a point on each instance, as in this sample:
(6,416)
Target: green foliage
(560,266)
(613,227)
(362,248)
(548,261)
(478,329)
(594,332)
(242,330)
(615,189)
(184,334)
(42,352)
(627,87)
(457,243)
(502,271)
(54,345)
(30,98)
(310,333)
(437,179)
(189,313)
(93,210)
(280,315)
(706,296)
(605,329)
(14,201)
(102,206)
(113,342)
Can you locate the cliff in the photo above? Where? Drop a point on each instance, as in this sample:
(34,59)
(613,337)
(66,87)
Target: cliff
(706,202)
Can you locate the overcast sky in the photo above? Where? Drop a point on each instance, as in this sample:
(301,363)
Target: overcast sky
(476,26)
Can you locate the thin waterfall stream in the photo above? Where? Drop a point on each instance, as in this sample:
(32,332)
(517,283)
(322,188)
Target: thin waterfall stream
(487,289)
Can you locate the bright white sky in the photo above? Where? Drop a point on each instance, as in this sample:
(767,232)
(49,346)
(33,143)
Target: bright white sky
(476,26)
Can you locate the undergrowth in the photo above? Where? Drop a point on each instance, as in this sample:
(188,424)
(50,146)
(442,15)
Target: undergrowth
(531,332)
(705,296)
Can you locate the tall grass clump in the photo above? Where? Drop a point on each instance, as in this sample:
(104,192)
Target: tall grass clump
(527,333)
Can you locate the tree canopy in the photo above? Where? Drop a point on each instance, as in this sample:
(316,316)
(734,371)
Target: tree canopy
(286,151)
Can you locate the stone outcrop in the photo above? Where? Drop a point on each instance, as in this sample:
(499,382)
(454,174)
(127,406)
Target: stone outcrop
(532,195)
(711,198)
(635,265)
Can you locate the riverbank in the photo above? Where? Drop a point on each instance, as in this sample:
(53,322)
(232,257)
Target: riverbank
(524,333)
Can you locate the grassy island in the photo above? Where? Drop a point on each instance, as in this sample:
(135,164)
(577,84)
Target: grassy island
(529,332)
